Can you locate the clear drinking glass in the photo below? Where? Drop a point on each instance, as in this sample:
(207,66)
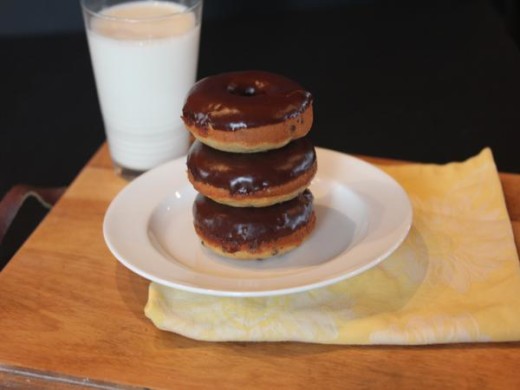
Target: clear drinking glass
(144,55)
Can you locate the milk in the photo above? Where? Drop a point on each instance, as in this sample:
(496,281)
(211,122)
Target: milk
(143,71)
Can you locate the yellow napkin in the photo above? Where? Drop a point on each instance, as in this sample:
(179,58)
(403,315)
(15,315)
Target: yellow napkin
(456,278)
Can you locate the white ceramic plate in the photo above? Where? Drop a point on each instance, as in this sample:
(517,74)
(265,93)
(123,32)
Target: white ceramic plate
(363,215)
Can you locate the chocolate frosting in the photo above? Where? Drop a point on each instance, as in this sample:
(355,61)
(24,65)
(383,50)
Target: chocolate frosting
(246,173)
(239,100)
(235,226)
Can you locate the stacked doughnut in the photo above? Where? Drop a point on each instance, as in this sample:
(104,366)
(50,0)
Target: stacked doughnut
(251,163)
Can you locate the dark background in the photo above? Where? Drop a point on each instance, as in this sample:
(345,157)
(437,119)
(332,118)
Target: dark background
(429,81)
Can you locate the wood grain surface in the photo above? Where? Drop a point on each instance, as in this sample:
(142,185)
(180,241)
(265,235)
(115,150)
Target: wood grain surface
(72,317)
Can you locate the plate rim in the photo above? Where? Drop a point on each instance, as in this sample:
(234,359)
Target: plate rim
(321,152)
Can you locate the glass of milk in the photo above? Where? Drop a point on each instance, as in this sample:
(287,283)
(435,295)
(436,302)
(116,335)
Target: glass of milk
(144,54)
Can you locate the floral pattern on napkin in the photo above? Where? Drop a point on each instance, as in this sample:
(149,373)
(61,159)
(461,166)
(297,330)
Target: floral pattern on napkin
(456,278)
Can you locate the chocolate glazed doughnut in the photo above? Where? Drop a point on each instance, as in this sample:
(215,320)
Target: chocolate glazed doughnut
(252,179)
(246,112)
(251,232)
